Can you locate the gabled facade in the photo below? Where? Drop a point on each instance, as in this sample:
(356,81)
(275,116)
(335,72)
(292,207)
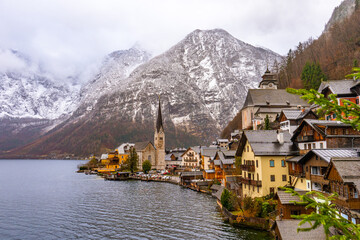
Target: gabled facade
(290,205)
(263,161)
(347,89)
(290,119)
(343,175)
(145,151)
(321,134)
(191,158)
(267,101)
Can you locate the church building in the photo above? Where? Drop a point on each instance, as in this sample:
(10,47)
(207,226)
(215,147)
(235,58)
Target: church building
(159,141)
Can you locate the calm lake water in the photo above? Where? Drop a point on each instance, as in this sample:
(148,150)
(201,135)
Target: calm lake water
(46,199)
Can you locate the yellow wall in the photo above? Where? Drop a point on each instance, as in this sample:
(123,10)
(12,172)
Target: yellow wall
(264,170)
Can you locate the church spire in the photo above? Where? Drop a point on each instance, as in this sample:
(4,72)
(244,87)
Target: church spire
(159,123)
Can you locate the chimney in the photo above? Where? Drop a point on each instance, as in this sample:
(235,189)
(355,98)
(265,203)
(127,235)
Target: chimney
(280,136)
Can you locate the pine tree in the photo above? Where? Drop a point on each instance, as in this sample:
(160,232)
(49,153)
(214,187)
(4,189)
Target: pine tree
(146,166)
(312,75)
(267,123)
(132,161)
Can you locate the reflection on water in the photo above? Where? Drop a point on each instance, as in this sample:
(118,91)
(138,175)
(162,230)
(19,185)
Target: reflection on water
(43,199)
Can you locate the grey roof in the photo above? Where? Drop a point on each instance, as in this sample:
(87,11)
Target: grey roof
(265,143)
(210,171)
(294,159)
(339,87)
(104,156)
(209,151)
(139,146)
(269,110)
(288,230)
(217,162)
(327,154)
(196,149)
(215,187)
(292,114)
(228,161)
(228,153)
(272,97)
(287,198)
(348,168)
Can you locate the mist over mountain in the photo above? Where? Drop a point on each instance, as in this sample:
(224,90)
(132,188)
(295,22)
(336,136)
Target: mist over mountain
(202,82)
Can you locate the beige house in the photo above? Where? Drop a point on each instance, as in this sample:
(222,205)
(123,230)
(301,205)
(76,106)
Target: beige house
(145,151)
(191,158)
(267,100)
(263,161)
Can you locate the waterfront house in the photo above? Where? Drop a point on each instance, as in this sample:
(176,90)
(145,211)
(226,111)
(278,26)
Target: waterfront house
(207,155)
(224,165)
(186,178)
(320,134)
(173,158)
(263,161)
(191,158)
(267,101)
(290,119)
(343,175)
(290,205)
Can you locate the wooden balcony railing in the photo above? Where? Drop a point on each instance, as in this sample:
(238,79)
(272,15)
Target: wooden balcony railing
(256,183)
(249,168)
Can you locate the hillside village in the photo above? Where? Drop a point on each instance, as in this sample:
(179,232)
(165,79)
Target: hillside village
(301,151)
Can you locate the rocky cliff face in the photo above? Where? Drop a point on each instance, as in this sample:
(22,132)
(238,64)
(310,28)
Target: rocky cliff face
(343,11)
(202,82)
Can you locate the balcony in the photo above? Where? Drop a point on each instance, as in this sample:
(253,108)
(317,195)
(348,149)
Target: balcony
(305,138)
(249,168)
(256,183)
(352,203)
(296,173)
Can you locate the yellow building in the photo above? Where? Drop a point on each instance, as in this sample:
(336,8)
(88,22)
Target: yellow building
(263,161)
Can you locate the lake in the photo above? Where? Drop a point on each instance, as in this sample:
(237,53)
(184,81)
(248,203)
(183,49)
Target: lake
(46,199)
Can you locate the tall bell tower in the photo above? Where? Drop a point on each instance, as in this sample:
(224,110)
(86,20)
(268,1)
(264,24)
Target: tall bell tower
(159,141)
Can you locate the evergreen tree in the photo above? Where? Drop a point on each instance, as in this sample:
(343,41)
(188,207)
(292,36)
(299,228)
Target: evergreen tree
(146,166)
(267,123)
(132,161)
(312,75)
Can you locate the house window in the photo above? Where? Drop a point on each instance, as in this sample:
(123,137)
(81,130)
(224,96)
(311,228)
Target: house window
(321,145)
(307,168)
(304,146)
(257,189)
(315,171)
(313,145)
(272,178)
(309,146)
(247,148)
(272,190)
(149,157)
(295,212)
(316,157)
(272,163)
(293,166)
(257,163)
(284,178)
(257,176)
(356,195)
(357,101)
(283,163)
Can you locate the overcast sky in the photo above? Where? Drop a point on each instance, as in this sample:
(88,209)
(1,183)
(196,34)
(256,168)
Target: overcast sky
(68,36)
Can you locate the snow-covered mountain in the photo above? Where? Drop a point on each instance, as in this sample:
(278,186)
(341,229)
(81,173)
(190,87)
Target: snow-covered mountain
(27,92)
(202,81)
(114,70)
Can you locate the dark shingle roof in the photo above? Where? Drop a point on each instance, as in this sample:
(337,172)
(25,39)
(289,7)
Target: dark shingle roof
(272,97)
(288,230)
(265,143)
(327,154)
(348,168)
(340,87)
(287,198)
(139,146)
(192,173)
(159,122)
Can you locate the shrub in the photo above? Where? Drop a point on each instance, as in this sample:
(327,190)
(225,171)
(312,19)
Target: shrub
(227,200)
(248,203)
(146,166)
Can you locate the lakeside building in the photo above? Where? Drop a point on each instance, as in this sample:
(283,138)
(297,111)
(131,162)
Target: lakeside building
(263,161)
(207,155)
(159,141)
(267,101)
(343,175)
(191,158)
(173,159)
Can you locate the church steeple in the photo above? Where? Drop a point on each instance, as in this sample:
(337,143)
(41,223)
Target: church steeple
(159,123)
(268,81)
